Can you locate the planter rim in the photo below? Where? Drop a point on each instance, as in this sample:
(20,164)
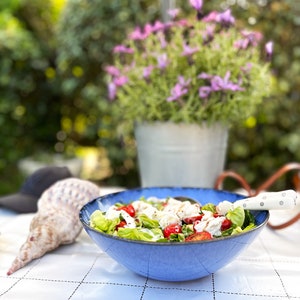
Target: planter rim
(181,124)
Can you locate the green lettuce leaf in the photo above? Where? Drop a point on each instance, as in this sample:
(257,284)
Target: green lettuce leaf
(250,226)
(236,216)
(99,222)
(139,234)
(177,237)
(187,229)
(210,207)
(238,229)
(228,231)
(249,219)
(147,222)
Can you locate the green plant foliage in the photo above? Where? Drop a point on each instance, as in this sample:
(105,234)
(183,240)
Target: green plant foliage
(86,34)
(52,80)
(271,138)
(142,98)
(29,106)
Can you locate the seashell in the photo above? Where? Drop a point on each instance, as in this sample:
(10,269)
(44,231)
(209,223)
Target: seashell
(57,219)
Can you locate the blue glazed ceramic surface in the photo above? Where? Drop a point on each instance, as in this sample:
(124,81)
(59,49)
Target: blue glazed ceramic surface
(171,261)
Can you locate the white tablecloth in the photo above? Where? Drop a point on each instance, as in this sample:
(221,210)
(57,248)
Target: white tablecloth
(268,269)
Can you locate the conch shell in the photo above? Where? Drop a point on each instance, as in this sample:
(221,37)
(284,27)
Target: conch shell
(56,221)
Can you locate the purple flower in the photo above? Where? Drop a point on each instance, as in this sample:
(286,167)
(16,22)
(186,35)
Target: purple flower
(208,34)
(252,37)
(205,76)
(112,70)
(120,80)
(241,44)
(247,68)
(148,29)
(188,51)
(158,26)
(196,4)
(112,91)
(218,83)
(173,13)
(225,18)
(122,49)
(211,17)
(204,91)
(177,92)
(147,71)
(269,49)
(162,61)
(183,23)
(179,89)
(183,82)
(162,40)
(137,34)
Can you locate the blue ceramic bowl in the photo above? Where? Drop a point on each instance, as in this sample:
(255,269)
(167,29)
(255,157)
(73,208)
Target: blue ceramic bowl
(171,261)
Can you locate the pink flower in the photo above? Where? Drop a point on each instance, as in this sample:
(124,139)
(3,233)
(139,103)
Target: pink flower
(197,4)
(112,91)
(269,49)
(208,34)
(211,17)
(147,71)
(241,44)
(179,89)
(177,92)
(148,29)
(112,70)
(205,76)
(218,83)
(183,23)
(173,13)
(183,82)
(122,49)
(253,37)
(188,51)
(162,61)
(137,34)
(162,40)
(247,68)
(158,26)
(225,18)
(204,91)
(120,80)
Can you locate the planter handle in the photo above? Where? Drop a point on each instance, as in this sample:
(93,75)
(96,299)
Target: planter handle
(265,185)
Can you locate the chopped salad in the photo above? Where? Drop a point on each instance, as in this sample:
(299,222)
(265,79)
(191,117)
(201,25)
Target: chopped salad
(171,220)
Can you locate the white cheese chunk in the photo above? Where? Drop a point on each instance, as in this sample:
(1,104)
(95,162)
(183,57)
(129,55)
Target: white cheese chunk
(214,226)
(223,207)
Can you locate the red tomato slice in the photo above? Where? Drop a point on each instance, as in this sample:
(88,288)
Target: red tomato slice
(199,236)
(191,220)
(226,224)
(172,228)
(129,209)
(121,224)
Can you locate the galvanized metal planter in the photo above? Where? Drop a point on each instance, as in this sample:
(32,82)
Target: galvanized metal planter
(187,155)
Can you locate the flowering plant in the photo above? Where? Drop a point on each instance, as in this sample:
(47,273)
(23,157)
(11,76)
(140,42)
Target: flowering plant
(190,71)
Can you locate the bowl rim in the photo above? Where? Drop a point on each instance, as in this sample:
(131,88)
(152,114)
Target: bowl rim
(100,198)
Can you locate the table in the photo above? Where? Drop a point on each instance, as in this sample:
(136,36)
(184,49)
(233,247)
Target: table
(268,269)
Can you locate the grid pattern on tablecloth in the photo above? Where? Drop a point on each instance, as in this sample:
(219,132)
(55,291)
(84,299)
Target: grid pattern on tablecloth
(82,271)
(97,276)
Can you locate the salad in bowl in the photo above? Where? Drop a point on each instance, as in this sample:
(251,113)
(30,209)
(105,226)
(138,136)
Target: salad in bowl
(154,219)
(151,234)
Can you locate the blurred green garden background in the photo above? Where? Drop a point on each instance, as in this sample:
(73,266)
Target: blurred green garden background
(53,96)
